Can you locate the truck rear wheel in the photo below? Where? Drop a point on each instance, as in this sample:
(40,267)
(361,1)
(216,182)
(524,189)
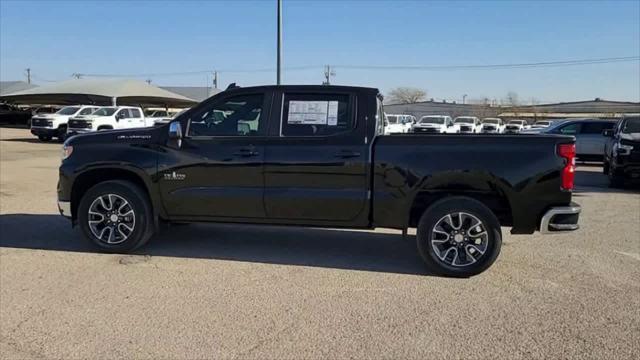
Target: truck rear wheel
(116,216)
(459,237)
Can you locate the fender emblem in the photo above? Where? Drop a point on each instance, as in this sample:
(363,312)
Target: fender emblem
(174,176)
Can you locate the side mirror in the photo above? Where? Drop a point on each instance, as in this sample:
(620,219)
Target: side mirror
(175,134)
(608,133)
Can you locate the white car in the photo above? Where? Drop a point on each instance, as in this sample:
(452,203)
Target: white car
(49,125)
(438,124)
(516,126)
(541,124)
(108,118)
(492,126)
(398,124)
(467,125)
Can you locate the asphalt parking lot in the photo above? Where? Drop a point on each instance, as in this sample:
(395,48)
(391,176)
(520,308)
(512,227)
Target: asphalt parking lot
(235,291)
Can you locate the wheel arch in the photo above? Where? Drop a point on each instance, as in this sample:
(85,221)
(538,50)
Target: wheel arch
(496,200)
(87,179)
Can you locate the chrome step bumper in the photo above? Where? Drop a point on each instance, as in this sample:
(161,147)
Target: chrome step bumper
(560,219)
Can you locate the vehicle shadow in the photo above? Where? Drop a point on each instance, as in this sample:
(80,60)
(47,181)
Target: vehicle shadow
(33,140)
(327,248)
(592,179)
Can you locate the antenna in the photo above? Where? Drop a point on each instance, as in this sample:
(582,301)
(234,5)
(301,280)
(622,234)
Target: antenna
(328,73)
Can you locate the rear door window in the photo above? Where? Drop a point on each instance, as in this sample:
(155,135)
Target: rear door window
(316,115)
(595,127)
(135,113)
(570,129)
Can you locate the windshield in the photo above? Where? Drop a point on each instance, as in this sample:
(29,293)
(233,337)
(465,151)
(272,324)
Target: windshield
(543,123)
(463,120)
(632,126)
(68,110)
(491,121)
(516,122)
(432,120)
(392,119)
(105,111)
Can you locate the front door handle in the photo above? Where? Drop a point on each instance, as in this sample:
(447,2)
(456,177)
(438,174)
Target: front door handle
(246,152)
(346,154)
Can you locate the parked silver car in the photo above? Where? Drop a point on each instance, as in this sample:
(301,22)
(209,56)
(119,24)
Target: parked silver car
(588,132)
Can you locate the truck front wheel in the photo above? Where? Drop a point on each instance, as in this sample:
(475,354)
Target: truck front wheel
(116,216)
(459,237)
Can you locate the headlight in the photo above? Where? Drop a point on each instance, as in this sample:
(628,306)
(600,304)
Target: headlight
(622,149)
(66,151)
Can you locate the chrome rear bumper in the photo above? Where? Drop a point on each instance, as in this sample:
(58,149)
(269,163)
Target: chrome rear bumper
(560,219)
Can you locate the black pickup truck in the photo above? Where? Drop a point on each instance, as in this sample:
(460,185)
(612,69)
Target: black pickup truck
(315,156)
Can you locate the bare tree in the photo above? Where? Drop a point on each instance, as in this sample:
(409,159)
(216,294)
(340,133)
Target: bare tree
(406,95)
(512,99)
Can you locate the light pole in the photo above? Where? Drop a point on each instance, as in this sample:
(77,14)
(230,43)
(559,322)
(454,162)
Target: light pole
(279,70)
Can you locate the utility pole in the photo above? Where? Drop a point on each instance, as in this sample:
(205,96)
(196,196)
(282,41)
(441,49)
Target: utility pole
(328,73)
(28,75)
(279,70)
(215,79)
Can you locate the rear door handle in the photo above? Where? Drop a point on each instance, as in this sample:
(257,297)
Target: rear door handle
(246,152)
(346,154)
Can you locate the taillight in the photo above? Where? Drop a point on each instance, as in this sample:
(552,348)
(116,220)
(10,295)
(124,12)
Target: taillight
(568,152)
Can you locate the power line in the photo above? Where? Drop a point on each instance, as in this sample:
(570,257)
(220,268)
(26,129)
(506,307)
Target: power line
(494,66)
(293,68)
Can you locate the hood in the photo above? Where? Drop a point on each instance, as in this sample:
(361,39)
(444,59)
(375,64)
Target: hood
(48,116)
(631,137)
(138,136)
(90,117)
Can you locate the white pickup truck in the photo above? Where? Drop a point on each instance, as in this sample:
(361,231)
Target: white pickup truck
(438,124)
(467,125)
(398,124)
(108,118)
(516,126)
(492,126)
(47,126)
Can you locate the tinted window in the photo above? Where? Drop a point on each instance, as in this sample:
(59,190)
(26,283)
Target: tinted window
(595,128)
(135,113)
(631,125)
(123,114)
(236,116)
(105,111)
(87,111)
(68,110)
(315,115)
(570,129)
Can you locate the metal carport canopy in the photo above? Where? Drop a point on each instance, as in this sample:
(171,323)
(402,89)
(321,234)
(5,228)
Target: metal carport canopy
(103,92)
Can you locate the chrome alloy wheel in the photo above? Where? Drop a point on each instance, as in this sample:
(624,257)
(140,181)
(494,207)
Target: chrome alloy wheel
(459,239)
(111,219)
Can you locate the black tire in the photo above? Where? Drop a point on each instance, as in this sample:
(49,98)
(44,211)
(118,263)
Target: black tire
(139,202)
(44,138)
(615,179)
(452,205)
(62,133)
(605,167)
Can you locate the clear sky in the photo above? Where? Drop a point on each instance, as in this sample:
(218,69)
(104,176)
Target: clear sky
(56,39)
